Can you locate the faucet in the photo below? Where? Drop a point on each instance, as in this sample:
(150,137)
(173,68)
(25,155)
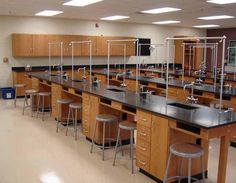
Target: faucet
(84,73)
(57,66)
(191,99)
(119,75)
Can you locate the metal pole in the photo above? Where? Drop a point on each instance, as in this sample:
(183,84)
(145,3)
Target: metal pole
(216,65)
(138,50)
(50,59)
(222,71)
(167,69)
(124,62)
(108,62)
(190,60)
(61,59)
(90,61)
(72,59)
(183,62)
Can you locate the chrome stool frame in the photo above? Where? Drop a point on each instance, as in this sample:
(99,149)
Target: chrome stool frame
(42,95)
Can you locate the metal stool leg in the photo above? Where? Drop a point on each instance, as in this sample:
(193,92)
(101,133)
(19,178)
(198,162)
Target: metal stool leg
(15,96)
(43,109)
(132,149)
(203,173)
(31,104)
(38,105)
(189,169)
(94,132)
(121,147)
(103,140)
(181,170)
(76,116)
(117,142)
(24,104)
(58,113)
(68,119)
(167,168)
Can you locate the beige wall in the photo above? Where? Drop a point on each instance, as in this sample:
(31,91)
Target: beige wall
(9,25)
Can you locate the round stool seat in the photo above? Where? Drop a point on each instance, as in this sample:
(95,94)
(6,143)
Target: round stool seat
(31,91)
(186,150)
(107,118)
(64,101)
(127,125)
(19,85)
(75,105)
(44,93)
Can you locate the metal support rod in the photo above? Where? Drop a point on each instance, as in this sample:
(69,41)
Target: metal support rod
(124,62)
(183,62)
(216,65)
(108,62)
(90,61)
(167,68)
(61,59)
(138,54)
(222,72)
(190,61)
(72,59)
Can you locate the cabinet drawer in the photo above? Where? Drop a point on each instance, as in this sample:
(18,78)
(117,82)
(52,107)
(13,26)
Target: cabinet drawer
(142,162)
(143,133)
(144,118)
(143,147)
(172,92)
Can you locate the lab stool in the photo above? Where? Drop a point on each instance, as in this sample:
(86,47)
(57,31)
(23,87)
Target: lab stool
(61,102)
(187,151)
(73,111)
(41,103)
(30,93)
(130,126)
(17,86)
(104,119)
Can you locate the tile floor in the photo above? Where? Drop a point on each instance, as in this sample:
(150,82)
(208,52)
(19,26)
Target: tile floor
(32,152)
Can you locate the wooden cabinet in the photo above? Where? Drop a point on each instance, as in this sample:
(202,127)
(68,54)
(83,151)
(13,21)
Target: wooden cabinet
(193,56)
(36,45)
(21,78)
(22,45)
(86,47)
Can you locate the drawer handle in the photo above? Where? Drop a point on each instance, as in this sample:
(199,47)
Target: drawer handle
(85,131)
(144,119)
(143,134)
(142,148)
(142,162)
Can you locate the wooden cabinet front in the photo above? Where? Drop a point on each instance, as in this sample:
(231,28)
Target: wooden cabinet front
(22,45)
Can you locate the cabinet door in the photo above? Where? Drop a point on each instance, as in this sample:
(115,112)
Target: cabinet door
(40,45)
(67,39)
(159,146)
(22,45)
(85,47)
(55,48)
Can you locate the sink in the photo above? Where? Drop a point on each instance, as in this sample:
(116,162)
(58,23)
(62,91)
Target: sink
(78,81)
(147,77)
(115,90)
(183,106)
(53,74)
(114,72)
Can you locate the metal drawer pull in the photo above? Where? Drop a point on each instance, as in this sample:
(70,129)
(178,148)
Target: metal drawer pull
(144,119)
(85,131)
(142,162)
(143,134)
(142,148)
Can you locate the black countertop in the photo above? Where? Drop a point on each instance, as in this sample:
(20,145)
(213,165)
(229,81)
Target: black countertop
(202,117)
(177,83)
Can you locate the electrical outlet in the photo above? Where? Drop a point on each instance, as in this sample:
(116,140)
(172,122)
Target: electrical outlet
(5,59)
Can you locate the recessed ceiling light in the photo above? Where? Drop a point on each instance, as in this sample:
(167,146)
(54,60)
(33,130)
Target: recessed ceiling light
(217,17)
(48,13)
(81,2)
(206,26)
(115,17)
(161,10)
(222,1)
(167,22)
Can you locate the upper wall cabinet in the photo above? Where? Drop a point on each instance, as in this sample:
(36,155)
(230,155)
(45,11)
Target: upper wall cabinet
(37,45)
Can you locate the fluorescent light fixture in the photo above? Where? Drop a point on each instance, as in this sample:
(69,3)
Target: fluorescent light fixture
(217,17)
(161,10)
(115,17)
(48,13)
(206,26)
(222,1)
(167,22)
(81,3)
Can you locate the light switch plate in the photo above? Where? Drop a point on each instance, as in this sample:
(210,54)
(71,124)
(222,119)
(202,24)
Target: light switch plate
(5,59)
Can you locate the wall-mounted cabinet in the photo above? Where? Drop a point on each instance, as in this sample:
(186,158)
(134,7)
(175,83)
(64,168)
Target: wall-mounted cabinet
(36,45)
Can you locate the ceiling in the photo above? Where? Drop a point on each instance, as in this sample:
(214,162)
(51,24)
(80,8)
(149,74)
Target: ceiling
(191,9)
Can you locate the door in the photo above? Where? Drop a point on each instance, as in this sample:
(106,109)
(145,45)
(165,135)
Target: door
(40,45)
(22,45)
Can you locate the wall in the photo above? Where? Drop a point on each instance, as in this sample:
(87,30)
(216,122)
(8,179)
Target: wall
(36,25)
(230,34)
